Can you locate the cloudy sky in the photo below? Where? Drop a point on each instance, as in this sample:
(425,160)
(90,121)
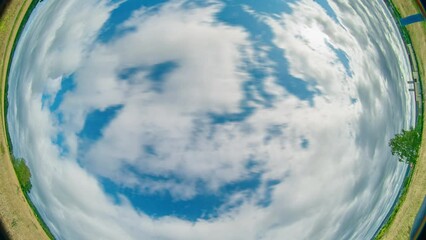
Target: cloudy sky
(210,119)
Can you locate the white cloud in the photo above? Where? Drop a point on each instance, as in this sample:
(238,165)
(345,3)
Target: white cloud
(341,186)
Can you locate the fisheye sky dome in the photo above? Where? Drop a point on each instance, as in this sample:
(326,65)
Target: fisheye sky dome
(215,119)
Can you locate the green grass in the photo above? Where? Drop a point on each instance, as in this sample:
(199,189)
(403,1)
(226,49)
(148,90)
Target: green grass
(404,189)
(21,169)
(419,128)
(2,26)
(401,199)
(405,185)
(397,15)
(6,88)
(40,220)
(24,177)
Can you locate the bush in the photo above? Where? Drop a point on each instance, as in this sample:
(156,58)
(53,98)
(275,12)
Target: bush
(23,173)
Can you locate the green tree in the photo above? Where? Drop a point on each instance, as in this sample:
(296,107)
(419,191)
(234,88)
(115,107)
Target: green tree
(23,173)
(405,145)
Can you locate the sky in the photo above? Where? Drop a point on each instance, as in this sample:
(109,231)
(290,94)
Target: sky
(210,119)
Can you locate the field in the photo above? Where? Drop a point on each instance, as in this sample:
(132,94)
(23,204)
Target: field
(401,225)
(16,214)
(20,220)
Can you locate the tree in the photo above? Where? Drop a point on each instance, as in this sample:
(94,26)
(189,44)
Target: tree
(405,145)
(23,173)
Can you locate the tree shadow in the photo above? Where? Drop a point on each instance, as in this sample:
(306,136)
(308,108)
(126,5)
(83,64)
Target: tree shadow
(3,6)
(3,234)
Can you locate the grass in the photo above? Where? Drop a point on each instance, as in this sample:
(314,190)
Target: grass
(39,218)
(397,15)
(401,220)
(404,188)
(20,218)
(24,177)
(31,7)
(384,229)
(20,225)
(21,169)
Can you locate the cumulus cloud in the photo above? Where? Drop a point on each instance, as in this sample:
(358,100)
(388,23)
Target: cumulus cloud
(322,166)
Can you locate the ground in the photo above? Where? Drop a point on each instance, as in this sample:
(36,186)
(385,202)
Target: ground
(15,213)
(401,226)
(18,216)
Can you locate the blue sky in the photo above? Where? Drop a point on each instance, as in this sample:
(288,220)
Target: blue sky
(190,119)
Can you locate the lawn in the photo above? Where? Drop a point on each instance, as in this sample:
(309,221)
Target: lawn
(16,215)
(400,226)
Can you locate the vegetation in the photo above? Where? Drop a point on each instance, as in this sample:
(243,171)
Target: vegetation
(406,145)
(19,221)
(39,218)
(24,177)
(397,15)
(400,201)
(23,22)
(23,173)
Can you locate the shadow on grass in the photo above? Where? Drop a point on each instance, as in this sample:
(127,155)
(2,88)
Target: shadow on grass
(3,233)
(3,6)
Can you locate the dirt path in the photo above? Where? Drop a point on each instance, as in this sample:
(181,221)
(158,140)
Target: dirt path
(401,226)
(15,213)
